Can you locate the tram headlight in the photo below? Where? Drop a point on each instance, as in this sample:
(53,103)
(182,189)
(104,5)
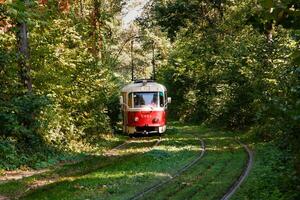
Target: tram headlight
(156,119)
(136,119)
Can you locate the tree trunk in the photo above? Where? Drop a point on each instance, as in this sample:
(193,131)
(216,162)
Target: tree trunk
(22,41)
(64,6)
(269,27)
(97,43)
(81,8)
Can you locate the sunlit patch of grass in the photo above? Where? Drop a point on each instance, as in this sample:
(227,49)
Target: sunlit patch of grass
(178,149)
(122,174)
(224,148)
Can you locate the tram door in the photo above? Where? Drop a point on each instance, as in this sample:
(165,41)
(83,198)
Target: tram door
(124,111)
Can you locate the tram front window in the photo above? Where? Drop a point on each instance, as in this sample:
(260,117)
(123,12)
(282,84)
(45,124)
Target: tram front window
(145,99)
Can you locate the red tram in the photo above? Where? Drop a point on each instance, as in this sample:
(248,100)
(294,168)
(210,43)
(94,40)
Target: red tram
(144,107)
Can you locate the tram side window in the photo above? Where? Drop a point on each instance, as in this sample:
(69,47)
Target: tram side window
(161,99)
(166,98)
(130,100)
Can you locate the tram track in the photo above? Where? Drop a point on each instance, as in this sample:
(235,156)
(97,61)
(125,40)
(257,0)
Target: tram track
(232,189)
(177,174)
(194,191)
(188,189)
(189,181)
(237,183)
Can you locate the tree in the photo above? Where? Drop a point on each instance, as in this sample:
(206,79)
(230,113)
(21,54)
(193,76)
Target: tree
(22,38)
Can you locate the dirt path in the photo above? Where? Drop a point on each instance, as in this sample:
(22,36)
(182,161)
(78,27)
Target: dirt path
(19,174)
(4,198)
(7,176)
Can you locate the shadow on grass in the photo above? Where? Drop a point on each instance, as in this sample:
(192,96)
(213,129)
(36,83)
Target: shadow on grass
(72,179)
(72,171)
(121,180)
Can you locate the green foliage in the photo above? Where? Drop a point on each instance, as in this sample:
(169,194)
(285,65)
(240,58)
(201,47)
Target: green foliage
(268,12)
(236,66)
(74,100)
(174,15)
(230,63)
(20,123)
(249,82)
(9,156)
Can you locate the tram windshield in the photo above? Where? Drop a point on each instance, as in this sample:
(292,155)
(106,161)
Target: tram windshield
(147,99)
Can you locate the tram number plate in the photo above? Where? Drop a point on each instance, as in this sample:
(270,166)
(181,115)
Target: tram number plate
(146,116)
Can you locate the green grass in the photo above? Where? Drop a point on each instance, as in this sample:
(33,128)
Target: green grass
(44,155)
(127,176)
(75,165)
(209,179)
(138,166)
(270,177)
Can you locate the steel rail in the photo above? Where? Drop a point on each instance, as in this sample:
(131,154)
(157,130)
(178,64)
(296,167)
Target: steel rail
(178,173)
(236,184)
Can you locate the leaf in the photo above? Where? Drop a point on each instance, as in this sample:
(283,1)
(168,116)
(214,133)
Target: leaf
(267,3)
(296,57)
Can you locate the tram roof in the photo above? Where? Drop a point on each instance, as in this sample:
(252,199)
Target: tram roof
(145,86)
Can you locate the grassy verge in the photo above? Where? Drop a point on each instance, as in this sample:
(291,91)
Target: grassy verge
(73,164)
(270,177)
(41,155)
